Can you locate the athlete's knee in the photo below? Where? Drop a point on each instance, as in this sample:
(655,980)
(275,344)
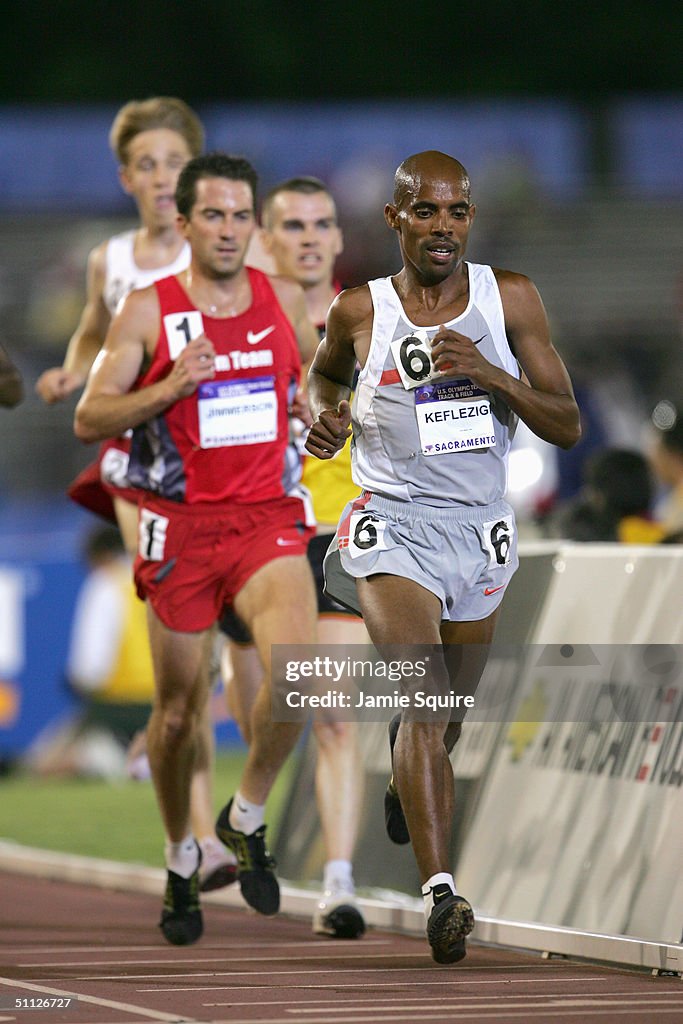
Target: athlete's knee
(178,722)
(421,735)
(332,735)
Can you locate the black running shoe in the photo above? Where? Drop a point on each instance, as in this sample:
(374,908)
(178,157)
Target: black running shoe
(218,869)
(181,918)
(394,819)
(255,866)
(338,914)
(450,922)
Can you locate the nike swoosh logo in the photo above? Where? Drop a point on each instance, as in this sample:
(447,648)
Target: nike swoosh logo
(494,590)
(480,339)
(285,543)
(253,339)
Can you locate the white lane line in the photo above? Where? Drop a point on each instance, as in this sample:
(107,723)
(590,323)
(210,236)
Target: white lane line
(44,950)
(357,985)
(141,1011)
(308,944)
(302,970)
(368,1003)
(335,952)
(466,1004)
(541,1014)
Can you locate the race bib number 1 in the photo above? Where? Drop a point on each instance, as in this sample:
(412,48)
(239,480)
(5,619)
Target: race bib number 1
(180,330)
(152,529)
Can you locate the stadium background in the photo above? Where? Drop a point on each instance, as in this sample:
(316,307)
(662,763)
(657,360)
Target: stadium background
(569,118)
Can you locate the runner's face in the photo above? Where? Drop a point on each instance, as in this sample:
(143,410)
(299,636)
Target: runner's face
(302,237)
(155,159)
(433,223)
(220,225)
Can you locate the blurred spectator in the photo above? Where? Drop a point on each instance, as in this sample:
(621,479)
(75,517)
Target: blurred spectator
(613,411)
(11,384)
(667,461)
(109,669)
(614,503)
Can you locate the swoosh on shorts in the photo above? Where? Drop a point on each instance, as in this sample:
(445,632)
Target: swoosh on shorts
(494,590)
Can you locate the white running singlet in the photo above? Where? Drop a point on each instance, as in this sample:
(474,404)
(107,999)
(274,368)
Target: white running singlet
(123,275)
(432,438)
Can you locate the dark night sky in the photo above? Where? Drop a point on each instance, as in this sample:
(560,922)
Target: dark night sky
(217,50)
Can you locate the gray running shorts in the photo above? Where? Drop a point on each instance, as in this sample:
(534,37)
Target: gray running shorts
(465,555)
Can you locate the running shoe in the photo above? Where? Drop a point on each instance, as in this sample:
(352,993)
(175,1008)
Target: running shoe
(181,917)
(255,866)
(218,868)
(394,819)
(450,922)
(337,913)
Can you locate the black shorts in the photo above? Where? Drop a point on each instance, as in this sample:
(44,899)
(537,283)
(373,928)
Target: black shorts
(233,627)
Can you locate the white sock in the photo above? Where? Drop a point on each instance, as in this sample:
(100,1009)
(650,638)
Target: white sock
(245,816)
(182,857)
(212,846)
(441,878)
(338,873)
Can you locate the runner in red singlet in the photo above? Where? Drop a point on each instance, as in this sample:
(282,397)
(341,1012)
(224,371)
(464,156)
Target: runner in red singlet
(202,367)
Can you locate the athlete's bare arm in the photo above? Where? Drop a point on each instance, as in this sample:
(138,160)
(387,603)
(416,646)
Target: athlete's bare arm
(107,407)
(11,384)
(290,295)
(57,383)
(346,342)
(546,403)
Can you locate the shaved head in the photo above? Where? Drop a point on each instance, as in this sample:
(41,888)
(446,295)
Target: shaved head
(428,166)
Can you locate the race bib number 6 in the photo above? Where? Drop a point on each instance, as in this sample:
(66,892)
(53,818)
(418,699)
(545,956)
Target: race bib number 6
(412,356)
(498,536)
(366,533)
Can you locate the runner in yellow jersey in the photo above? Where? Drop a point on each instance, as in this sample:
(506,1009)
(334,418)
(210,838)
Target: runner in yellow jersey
(301,239)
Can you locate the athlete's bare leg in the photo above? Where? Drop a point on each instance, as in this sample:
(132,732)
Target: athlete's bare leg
(127,518)
(339,772)
(243,674)
(202,813)
(339,775)
(201,790)
(422,770)
(265,605)
(181,673)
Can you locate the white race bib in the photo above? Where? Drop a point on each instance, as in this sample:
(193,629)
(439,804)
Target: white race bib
(453,416)
(237,412)
(180,330)
(366,533)
(498,535)
(152,529)
(413,358)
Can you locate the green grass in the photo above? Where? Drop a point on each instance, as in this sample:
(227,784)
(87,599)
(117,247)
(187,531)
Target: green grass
(118,821)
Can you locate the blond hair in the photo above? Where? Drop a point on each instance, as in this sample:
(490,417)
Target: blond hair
(156,112)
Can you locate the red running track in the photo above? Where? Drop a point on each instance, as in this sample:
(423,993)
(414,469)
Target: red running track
(61,940)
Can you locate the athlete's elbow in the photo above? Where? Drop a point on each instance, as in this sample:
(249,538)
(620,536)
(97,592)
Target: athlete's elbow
(570,436)
(85,428)
(85,433)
